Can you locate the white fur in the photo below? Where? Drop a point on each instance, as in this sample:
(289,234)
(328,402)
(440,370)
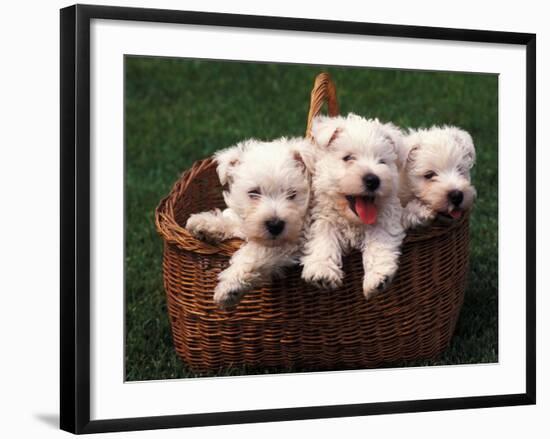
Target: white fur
(277,174)
(333,228)
(449,153)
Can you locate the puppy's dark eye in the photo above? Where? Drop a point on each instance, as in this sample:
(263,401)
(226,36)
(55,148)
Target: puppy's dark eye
(254,193)
(291,195)
(382,162)
(429,175)
(348,158)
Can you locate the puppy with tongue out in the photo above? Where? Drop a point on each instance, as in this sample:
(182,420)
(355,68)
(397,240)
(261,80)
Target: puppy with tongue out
(355,165)
(435,179)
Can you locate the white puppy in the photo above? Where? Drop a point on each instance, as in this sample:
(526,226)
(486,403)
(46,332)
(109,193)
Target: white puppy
(354,163)
(436,176)
(267,200)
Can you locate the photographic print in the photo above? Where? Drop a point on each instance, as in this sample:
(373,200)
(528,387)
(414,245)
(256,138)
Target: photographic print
(343,209)
(432,294)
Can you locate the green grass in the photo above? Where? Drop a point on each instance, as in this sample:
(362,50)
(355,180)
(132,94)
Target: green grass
(178,111)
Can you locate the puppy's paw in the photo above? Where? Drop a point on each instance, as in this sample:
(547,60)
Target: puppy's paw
(203,227)
(228,294)
(417,215)
(324,275)
(375,284)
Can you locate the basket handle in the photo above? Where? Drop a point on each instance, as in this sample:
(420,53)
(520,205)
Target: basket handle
(323,91)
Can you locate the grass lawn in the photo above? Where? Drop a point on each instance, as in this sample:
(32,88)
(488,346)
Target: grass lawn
(178,111)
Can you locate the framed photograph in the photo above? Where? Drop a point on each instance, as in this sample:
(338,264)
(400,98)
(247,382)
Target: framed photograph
(209,165)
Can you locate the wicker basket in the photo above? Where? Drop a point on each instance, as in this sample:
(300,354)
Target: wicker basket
(288,323)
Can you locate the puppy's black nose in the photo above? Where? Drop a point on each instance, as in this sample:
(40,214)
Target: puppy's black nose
(456,197)
(275,226)
(371,182)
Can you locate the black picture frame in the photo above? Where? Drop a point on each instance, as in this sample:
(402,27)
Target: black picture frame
(75,217)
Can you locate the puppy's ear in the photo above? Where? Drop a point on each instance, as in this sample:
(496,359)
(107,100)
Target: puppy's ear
(304,154)
(465,141)
(325,130)
(394,136)
(411,145)
(299,160)
(410,155)
(228,159)
(469,149)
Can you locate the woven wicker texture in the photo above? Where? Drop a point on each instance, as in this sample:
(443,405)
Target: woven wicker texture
(288,323)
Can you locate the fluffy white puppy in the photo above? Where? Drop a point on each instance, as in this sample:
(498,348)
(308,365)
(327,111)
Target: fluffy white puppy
(267,200)
(354,162)
(436,176)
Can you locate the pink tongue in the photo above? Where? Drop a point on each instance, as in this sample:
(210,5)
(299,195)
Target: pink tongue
(456,213)
(366,210)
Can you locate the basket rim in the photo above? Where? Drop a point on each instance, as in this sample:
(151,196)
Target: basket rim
(174,233)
